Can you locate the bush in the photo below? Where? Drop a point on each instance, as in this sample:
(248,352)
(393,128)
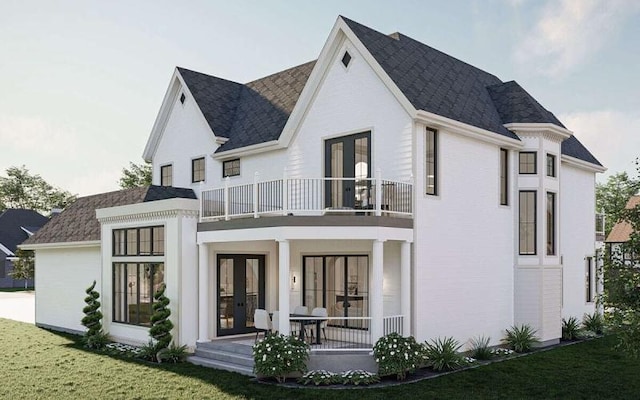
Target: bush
(358,377)
(320,377)
(277,356)
(593,322)
(443,354)
(173,353)
(397,355)
(520,338)
(160,324)
(96,341)
(94,338)
(149,352)
(570,328)
(480,348)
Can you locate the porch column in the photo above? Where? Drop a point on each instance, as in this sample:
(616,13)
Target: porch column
(405,286)
(203,292)
(283,286)
(377,313)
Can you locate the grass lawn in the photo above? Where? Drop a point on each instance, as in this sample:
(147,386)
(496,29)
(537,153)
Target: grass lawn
(35,363)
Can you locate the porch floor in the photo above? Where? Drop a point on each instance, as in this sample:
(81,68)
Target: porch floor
(327,344)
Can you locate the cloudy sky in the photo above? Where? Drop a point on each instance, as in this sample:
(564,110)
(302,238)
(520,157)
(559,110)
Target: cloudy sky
(81,82)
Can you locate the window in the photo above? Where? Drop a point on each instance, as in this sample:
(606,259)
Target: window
(551,224)
(139,241)
(431,154)
(504,177)
(551,165)
(346,59)
(231,168)
(589,280)
(527,223)
(134,285)
(197,170)
(182,98)
(527,162)
(166,175)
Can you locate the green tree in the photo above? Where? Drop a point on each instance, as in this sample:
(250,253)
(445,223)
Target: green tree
(137,175)
(21,189)
(24,266)
(92,320)
(612,196)
(160,324)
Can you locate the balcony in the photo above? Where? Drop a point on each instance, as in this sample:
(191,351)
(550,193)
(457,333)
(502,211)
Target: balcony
(308,197)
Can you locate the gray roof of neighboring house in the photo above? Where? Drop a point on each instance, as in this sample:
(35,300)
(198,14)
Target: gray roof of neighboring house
(78,222)
(11,223)
(431,80)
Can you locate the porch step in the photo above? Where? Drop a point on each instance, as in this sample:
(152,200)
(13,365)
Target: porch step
(226,356)
(207,362)
(232,347)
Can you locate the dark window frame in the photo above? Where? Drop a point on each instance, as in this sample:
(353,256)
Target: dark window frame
(182,98)
(504,177)
(234,170)
(535,223)
(589,281)
(169,176)
(114,287)
(198,174)
(551,165)
(431,163)
(551,223)
(116,244)
(520,162)
(346,59)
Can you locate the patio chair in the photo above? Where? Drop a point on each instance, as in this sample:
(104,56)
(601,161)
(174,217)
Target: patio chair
(301,310)
(275,322)
(321,312)
(262,322)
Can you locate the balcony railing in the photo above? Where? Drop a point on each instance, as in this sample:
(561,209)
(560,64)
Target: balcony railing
(308,196)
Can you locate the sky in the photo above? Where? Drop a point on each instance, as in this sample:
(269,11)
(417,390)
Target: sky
(81,82)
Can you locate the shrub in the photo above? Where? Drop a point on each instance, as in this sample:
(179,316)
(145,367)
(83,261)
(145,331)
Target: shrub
(160,324)
(94,338)
(397,355)
(480,348)
(173,353)
(570,328)
(320,377)
(277,356)
(501,352)
(520,338)
(443,354)
(359,377)
(149,352)
(594,323)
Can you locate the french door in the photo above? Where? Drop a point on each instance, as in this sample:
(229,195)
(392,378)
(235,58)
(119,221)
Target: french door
(241,288)
(348,157)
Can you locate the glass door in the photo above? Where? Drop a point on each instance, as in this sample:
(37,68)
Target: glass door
(240,291)
(348,157)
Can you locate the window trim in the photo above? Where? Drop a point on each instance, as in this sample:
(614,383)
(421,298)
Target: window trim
(551,239)
(552,158)
(224,164)
(436,152)
(535,162)
(535,222)
(504,177)
(162,168)
(126,243)
(193,169)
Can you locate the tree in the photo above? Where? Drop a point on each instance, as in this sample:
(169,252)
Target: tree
(21,189)
(92,320)
(24,266)
(612,196)
(137,175)
(160,324)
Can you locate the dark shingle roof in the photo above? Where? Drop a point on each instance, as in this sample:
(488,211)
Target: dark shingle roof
(573,148)
(514,104)
(78,223)
(11,223)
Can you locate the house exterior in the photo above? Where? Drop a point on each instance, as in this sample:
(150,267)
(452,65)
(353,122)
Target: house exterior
(16,225)
(392,184)
(621,234)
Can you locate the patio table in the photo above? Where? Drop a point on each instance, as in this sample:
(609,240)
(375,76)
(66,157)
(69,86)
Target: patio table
(316,320)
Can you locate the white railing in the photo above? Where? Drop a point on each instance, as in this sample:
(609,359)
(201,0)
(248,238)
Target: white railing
(393,324)
(308,196)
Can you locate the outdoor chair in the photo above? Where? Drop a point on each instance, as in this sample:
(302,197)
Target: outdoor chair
(275,322)
(321,312)
(262,322)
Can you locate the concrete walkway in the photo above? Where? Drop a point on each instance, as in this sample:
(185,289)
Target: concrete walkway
(19,306)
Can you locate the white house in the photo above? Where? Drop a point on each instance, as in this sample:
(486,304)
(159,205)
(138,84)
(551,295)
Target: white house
(394,185)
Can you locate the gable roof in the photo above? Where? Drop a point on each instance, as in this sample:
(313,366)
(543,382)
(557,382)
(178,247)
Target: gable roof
(622,230)
(431,80)
(78,222)
(11,223)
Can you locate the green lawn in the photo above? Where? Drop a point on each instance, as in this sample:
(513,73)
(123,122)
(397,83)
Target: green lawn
(36,363)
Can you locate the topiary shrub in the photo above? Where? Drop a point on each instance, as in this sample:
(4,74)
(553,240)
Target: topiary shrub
(397,355)
(94,338)
(160,324)
(278,356)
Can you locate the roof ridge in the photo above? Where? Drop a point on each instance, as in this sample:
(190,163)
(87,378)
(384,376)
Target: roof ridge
(208,75)
(280,72)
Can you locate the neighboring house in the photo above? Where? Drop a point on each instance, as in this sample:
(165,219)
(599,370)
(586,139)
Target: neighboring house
(16,225)
(621,233)
(396,186)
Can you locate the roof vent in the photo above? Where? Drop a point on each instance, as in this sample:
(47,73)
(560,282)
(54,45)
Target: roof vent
(346,59)
(182,98)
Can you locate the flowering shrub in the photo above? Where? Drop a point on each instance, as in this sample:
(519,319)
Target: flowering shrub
(443,354)
(278,355)
(502,352)
(397,355)
(320,377)
(359,377)
(123,349)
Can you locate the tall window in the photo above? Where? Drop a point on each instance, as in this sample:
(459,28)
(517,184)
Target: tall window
(148,241)
(527,222)
(166,175)
(431,157)
(134,285)
(589,279)
(504,177)
(197,170)
(231,168)
(527,162)
(551,224)
(551,165)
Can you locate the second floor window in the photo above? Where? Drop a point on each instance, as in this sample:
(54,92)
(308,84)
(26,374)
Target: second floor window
(504,177)
(197,170)
(166,175)
(527,223)
(551,224)
(551,165)
(527,164)
(431,162)
(231,168)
